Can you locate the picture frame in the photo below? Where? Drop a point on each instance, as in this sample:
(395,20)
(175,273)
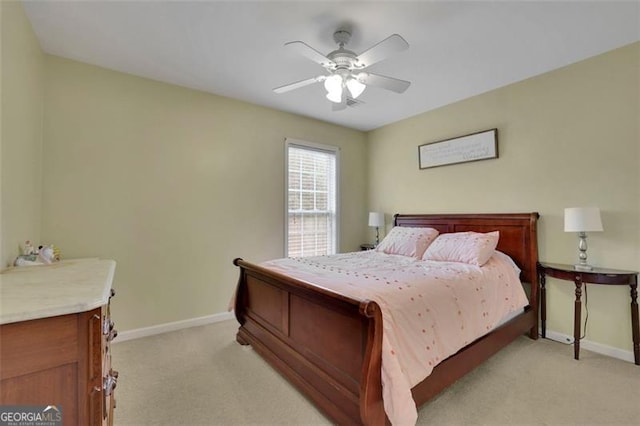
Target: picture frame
(476,146)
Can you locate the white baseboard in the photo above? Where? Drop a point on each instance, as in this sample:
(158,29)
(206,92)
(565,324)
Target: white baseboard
(172,326)
(588,345)
(224,316)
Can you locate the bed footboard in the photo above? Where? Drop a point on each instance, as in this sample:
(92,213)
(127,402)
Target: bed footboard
(326,344)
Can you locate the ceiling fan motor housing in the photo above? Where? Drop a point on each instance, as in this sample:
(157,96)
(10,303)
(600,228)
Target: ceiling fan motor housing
(343,58)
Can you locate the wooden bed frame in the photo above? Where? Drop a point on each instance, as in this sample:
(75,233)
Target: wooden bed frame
(329,345)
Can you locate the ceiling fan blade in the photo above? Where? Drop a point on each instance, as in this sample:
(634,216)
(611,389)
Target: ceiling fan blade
(309,52)
(342,105)
(384,82)
(297,84)
(390,45)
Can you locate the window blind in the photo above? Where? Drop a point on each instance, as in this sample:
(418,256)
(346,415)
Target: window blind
(311,201)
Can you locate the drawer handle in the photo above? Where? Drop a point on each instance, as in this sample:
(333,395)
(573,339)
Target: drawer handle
(107,326)
(109,384)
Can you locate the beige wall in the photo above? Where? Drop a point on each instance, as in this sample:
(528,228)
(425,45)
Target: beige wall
(22,85)
(566,138)
(174,184)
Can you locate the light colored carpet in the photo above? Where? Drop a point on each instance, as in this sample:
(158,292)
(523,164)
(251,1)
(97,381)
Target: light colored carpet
(201,376)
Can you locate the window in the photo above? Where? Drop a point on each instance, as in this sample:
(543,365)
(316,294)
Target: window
(311,222)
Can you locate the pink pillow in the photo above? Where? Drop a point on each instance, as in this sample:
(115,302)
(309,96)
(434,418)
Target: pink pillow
(466,247)
(407,241)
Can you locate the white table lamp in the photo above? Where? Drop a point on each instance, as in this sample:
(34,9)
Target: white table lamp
(582,220)
(376,219)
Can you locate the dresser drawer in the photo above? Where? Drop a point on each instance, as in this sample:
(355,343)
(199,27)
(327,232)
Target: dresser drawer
(30,346)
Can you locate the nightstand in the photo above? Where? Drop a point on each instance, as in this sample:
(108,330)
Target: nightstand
(595,276)
(365,247)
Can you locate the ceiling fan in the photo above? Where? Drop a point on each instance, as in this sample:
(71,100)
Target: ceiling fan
(345,68)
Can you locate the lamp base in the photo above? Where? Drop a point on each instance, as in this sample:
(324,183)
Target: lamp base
(581,267)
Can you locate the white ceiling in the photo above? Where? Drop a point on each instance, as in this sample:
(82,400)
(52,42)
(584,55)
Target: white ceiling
(235,48)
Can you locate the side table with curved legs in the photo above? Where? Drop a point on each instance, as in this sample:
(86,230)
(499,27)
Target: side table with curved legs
(595,276)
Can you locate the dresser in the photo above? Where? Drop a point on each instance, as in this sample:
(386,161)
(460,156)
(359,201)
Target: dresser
(55,334)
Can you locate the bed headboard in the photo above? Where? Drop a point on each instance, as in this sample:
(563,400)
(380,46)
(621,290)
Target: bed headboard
(518,233)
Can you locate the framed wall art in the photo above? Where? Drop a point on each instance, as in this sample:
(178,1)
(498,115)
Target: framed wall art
(474,147)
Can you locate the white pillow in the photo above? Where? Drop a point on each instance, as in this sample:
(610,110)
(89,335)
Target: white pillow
(466,247)
(407,241)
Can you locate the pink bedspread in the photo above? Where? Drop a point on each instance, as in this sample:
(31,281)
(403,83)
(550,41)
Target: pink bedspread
(430,309)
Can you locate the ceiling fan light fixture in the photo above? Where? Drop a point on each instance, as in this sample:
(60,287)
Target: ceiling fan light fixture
(355,87)
(335,96)
(333,84)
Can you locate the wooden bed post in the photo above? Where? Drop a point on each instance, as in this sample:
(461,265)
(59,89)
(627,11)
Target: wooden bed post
(371,404)
(240,302)
(534,298)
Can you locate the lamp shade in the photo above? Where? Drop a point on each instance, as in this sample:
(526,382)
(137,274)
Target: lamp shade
(355,87)
(333,84)
(335,96)
(376,219)
(582,219)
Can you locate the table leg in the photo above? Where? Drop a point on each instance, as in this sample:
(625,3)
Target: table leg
(543,304)
(635,326)
(576,319)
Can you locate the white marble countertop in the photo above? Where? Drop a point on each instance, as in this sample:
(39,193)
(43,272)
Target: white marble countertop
(66,287)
